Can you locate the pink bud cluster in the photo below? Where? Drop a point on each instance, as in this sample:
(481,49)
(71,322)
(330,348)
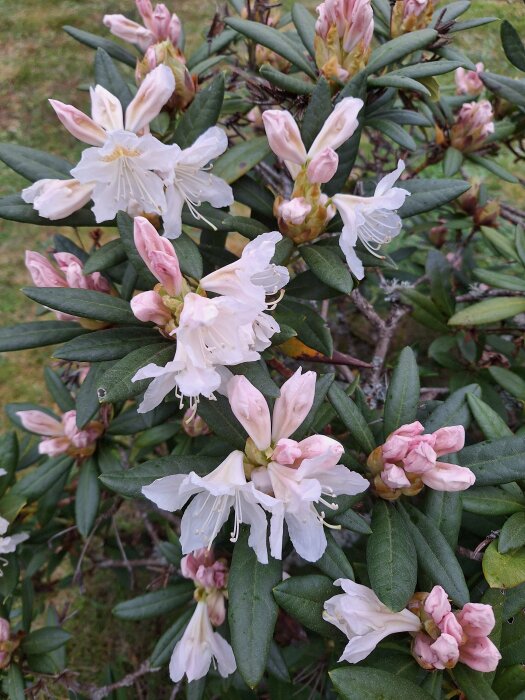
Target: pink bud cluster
(210,576)
(62,436)
(159,25)
(411,15)
(468,82)
(474,123)
(450,637)
(408,460)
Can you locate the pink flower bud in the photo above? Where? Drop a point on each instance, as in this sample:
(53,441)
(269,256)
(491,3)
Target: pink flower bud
(480,654)
(476,619)
(40,423)
(145,9)
(148,307)
(437,604)
(190,564)
(286,451)
(193,425)
(450,439)
(450,625)
(323,166)
(468,82)
(284,136)
(251,410)
(446,651)
(448,477)
(78,124)
(126,29)
(5,630)
(158,254)
(153,93)
(174,30)
(216,608)
(160,22)
(420,458)
(317,445)
(54,446)
(339,127)
(474,123)
(293,405)
(294,211)
(42,272)
(394,477)
(414,8)
(56,199)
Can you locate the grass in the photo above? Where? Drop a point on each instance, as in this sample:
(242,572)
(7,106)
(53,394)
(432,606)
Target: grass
(41,61)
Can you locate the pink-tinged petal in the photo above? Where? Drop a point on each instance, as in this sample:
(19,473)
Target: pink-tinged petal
(316,445)
(323,166)
(284,136)
(126,29)
(339,126)
(54,446)
(158,254)
(160,22)
(422,650)
(216,608)
(42,272)
(286,451)
(294,211)
(175,29)
(448,477)
(145,9)
(409,430)
(40,423)
(476,619)
(395,448)
(394,477)
(153,93)
(293,405)
(78,124)
(450,625)
(437,604)
(480,654)
(446,650)
(251,410)
(420,459)
(447,440)
(148,307)
(56,199)
(106,109)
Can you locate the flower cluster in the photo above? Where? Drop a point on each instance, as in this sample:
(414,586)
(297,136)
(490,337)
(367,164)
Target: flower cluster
(473,125)
(408,461)
(211,332)
(158,25)
(62,436)
(410,15)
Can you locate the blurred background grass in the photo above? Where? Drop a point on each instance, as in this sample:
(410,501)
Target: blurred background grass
(41,61)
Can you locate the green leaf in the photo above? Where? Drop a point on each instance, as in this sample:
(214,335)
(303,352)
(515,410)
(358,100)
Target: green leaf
(352,418)
(257,373)
(512,534)
(364,683)
(351,521)
(491,424)
(319,107)
(311,328)
(218,415)
(210,47)
(491,500)
(445,509)
(510,682)
(453,411)
(277,665)
(43,477)
(107,75)
(426,69)
(495,461)
(326,264)
(334,562)
(129,483)
(58,391)
(493,168)
(107,256)
(163,650)
(97,42)
(252,612)
(499,280)
(44,640)
(303,597)
(425,310)
(241,158)
(394,132)
(435,556)
(512,45)
(34,164)
(245,225)
(503,570)
(116,384)
(87,397)
(502,243)
(189,256)
(87,497)
(305,24)
(254,195)
(509,89)
(85,303)
(37,334)
(400,82)
(472,683)
(390,557)
(108,344)
(203,112)
(392,51)
(452,162)
(402,397)
(272,39)
(427,195)
(14,682)
(156,603)
(295,86)
(510,381)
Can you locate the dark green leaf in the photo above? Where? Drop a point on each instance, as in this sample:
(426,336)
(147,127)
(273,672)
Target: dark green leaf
(507,88)
(427,195)
(334,562)
(58,391)
(288,83)
(445,509)
(325,262)
(303,597)
(107,75)
(33,164)
(202,113)
(491,424)
(358,683)
(402,397)
(472,683)
(453,411)
(210,47)
(107,256)
(311,328)
(219,417)
(495,461)
(242,157)
(400,82)
(85,303)
(38,481)
(352,418)
(512,533)
(452,162)
(319,106)
(15,682)
(394,50)
(87,497)
(97,42)
(108,344)
(305,24)
(257,373)
(156,603)
(44,640)
(189,256)
(13,208)
(37,334)
(512,45)
(491,500)
(164,647)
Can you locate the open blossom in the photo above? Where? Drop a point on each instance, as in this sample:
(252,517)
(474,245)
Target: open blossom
(298,474)
(408,461)
(159,25)
(122,166)
(9,543)
(343,37)
(372,220)
(410,15)
(468,82)
(450,637)
(62,436)
(198,648)
(474,123)
(212,498)
(364,619)
(211,333)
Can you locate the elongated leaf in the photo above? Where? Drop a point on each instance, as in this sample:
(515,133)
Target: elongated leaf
(326,264)
(512,45)
(154,604)
(130,482)
(507,88)
(257,373)
(241,158)
(493,168)
(43,477)
(107,256)
(15,682)
(512,535)
(272,39)
(58,391)
(491,500)
(453,411)
(189,256)
(318,110)
(402,397)
(116,384)
(334,562)
(490,422)
(252,612)
(219,417)
(247,226)
(218,43)
(107,75)
(108,344)
(352,418)
(499,280)
(435,555)
(202,113)
(34,164)
(400,82)
(38,334)
(496,461)
(472,683)
(358,683)
(444,509)
(44,640)
(391,559)
(452,162)
(394,50)
(295,86)
(305,24)
(254,195)
(98,42)
(87,497)
(427,195)
(310,327)
(85,303)
(303,597)
(510,381)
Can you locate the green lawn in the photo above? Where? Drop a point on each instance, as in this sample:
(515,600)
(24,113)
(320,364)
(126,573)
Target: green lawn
(40,61)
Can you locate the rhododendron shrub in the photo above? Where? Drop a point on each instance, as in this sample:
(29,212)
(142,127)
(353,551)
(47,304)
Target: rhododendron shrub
(286,369)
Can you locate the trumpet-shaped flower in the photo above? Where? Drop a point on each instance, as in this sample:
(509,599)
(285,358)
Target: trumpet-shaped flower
(159,25)
(121,169)
(364,619)
(57,199)
(213,496)
(372,220)
(64,437)
(198,648)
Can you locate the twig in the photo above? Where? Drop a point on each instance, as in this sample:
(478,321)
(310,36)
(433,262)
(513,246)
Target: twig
(469,554)
(125,682)
(474,296)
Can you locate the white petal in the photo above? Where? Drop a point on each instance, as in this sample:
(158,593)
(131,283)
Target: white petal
(211,144)
(307,534)
(388,180)
(159,388)
(223,653)
(203,519)
(172,216)
(165,492)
